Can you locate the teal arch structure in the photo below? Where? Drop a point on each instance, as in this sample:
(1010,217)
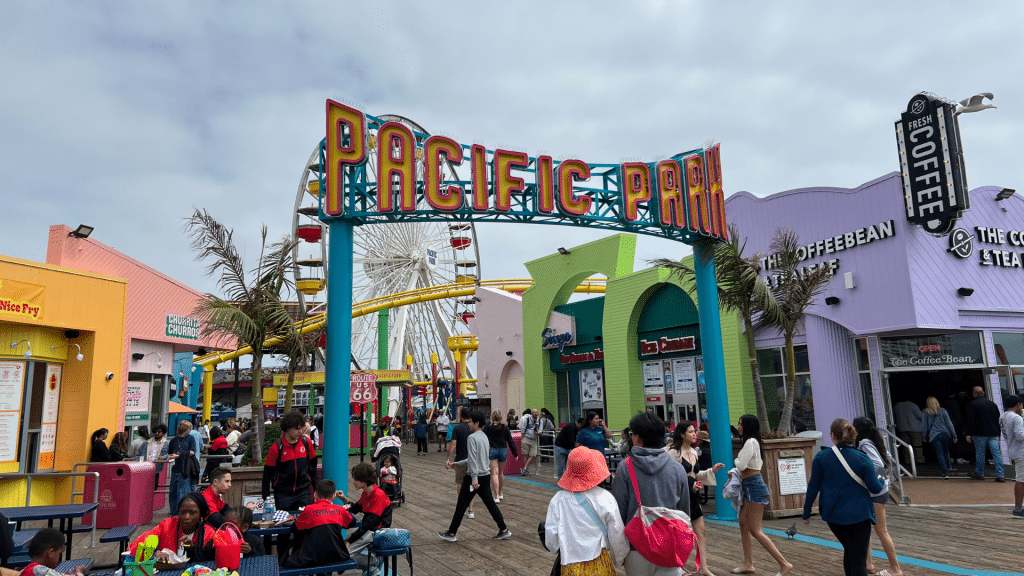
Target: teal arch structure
(505,186)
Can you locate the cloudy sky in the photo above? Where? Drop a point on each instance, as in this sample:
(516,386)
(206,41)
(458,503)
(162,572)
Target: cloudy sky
(129,115)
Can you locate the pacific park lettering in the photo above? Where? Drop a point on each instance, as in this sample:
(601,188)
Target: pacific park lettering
(683,193)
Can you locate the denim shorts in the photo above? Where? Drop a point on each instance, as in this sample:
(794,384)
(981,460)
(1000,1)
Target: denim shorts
(755,490)
(499,454)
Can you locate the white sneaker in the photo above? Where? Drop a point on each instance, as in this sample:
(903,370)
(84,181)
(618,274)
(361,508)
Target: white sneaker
(470,515)
(496,500)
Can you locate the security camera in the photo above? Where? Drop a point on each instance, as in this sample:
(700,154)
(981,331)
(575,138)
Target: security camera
(110,376)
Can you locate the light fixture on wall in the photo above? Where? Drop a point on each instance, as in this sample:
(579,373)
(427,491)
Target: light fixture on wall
(80,357)
(831,300)
(964,291)
(139,356)
(82,231)
(564,252)
(1004,194)
(28,347)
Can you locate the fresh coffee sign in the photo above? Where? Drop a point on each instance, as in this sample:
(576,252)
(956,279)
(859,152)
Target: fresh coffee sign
(931,158)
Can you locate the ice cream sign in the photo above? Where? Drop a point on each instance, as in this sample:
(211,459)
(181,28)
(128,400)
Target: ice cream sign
(557,340)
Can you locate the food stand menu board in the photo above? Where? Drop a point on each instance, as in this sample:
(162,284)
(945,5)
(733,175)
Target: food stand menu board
(12,386)
(684,373)
(51,403)
(654,382)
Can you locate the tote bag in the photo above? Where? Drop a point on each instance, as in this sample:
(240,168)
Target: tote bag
(663,536)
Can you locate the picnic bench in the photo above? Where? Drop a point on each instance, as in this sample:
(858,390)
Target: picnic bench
(122,535)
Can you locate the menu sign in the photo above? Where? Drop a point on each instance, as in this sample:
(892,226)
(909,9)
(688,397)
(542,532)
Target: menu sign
(684,373)
(654,382)
(137,397)
(51,404)
(922,352)
(12,385)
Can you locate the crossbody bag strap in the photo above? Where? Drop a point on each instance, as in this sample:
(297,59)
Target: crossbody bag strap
(848,469)
(632,479)
(593,514)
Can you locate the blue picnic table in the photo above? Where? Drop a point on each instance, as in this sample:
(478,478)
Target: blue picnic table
(66,513)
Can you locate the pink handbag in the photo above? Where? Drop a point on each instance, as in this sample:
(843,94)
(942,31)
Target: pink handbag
(663,536)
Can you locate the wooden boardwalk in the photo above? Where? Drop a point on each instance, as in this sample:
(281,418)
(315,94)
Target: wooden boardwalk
(958,540)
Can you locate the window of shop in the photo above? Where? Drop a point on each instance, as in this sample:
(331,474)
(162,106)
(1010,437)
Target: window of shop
(771,363)
(1010,358)
(867,392)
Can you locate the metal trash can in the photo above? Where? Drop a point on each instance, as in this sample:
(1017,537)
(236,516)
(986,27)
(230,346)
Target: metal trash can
(125,493)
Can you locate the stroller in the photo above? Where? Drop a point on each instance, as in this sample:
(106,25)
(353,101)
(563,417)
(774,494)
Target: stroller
(390,446)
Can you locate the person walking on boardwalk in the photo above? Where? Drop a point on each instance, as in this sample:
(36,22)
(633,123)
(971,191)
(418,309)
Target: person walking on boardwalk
(476,483)
(869,441)
(983,432)
(755,497)
(1012,426)
(529,425)
(500,438)
(458,446)
(937,428)
(846,479)
(683,451)
(660,481)
(583,522)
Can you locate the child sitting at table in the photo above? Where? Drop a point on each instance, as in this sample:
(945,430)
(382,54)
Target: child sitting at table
(317,531)
(252,545)
(373,503)
(45,549)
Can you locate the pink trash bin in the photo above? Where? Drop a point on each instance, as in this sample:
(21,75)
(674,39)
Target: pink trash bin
(125,490)
(515,465)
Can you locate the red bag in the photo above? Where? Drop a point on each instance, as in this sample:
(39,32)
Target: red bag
(663,536)
(227,543)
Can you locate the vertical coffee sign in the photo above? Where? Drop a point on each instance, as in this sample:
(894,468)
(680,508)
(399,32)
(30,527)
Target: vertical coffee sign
(931,157)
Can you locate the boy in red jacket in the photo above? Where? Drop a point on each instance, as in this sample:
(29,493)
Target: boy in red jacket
(45,549)
(317,531)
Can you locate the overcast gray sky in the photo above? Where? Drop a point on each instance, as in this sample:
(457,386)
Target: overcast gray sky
(128,115)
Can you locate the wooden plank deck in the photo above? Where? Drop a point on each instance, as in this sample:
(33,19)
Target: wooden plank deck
(983,538)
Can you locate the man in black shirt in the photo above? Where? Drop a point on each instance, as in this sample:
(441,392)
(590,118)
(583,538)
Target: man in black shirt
(565,442)
(983,432)
(458,451)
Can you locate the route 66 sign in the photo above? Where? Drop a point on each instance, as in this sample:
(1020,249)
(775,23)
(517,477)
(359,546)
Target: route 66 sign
(364,388)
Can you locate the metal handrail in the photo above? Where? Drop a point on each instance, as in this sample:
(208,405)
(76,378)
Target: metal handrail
(897,470)
(547,451)
(74,474)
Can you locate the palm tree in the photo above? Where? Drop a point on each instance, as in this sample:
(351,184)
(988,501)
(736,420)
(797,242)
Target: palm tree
(740,289)
(795,291)
(249,313)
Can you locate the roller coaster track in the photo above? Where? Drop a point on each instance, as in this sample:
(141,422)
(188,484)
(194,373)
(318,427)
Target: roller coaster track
(456,290)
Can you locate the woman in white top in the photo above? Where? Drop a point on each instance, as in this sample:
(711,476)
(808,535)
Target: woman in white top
(233,438)
(871,444)
(755,497)
(683,451)
(583,521)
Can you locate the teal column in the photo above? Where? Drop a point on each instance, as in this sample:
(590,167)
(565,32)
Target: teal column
(383,354)
(714,369)
(337,377)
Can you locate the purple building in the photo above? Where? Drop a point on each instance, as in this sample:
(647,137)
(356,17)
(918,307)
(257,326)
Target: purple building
(906,314)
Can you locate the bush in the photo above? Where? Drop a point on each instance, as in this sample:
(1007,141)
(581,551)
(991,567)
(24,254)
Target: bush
(271,435)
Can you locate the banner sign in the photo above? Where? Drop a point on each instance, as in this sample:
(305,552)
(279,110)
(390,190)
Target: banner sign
(51,403)
(137,397)
(591,388)
(925,352)
(21,300)
(411,177)
(932,164)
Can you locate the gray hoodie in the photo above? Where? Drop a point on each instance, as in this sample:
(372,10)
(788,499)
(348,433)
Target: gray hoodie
(1012,426)
(661,479)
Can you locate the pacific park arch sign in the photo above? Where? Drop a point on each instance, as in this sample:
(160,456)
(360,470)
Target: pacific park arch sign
(679,198)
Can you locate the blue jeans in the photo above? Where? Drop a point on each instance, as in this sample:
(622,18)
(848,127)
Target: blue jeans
(992,443)
(941,444)
(561,458)
(177,490)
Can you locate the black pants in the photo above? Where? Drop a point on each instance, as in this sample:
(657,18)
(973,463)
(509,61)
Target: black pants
(291,503)
(465,496)
(421,445)
(855,539)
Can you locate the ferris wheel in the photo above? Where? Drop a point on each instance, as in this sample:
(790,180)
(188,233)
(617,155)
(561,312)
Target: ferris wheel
(390,259)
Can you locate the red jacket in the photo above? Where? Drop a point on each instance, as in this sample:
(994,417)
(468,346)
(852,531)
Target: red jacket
(290,468)
(168,532)
(213,500)
(219,444)
(318,535)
